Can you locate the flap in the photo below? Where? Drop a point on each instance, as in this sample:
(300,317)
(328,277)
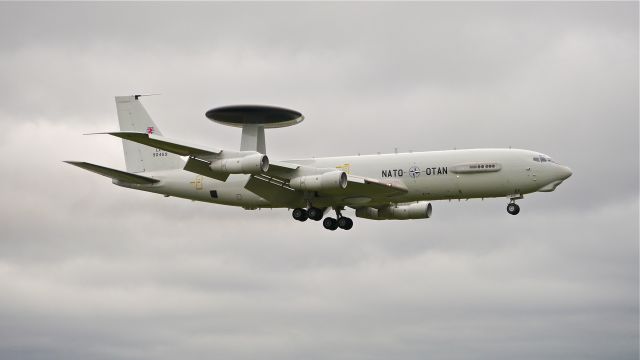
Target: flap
(201,167)
(277,193)
(383,187)
(281,165)
(361,186)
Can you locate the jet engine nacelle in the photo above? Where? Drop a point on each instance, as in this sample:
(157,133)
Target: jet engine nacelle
(334,180)
(250,164)
(420,210)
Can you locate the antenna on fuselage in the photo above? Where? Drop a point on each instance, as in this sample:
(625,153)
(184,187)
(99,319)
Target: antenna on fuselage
(141,95)
(253,119)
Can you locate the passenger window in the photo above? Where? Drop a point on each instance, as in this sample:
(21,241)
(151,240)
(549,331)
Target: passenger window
(542,159)
(536,159)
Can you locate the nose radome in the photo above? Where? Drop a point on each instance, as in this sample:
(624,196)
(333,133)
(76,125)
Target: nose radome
(565,172)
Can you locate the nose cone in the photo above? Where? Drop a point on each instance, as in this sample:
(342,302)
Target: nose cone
(564,172)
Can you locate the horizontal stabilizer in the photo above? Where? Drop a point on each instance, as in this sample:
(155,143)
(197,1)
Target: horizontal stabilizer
(113,173)
(173,146)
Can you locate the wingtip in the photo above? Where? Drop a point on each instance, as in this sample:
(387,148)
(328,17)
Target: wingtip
(118,133)
(99,133)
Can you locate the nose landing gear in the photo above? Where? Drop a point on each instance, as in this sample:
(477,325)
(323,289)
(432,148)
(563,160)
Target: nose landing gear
(512,207)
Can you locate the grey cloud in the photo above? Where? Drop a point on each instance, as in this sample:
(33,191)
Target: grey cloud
(90,270)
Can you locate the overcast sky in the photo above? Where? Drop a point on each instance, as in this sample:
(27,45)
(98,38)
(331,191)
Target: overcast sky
(92,271)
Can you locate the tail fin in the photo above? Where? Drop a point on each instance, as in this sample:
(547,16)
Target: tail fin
(140,158)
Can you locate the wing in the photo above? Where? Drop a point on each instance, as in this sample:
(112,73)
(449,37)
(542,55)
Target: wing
(196,153)
(114,174)
(273,185)
(359,189)
(173,146)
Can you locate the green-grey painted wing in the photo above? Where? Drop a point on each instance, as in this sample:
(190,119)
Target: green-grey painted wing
(173,146)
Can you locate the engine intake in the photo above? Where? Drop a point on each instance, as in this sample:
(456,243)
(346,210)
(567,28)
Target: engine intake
(334,180)
(251,164)
(420,210)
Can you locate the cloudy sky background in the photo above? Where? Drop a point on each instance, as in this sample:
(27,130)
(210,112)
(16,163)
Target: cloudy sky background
(90,270)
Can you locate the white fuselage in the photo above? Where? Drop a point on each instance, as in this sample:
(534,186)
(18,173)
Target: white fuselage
(433,175)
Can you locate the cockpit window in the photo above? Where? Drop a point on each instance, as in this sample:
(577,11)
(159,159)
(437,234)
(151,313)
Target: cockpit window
(543,158)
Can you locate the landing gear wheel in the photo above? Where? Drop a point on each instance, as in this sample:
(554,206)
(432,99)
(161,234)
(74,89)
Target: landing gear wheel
(345,223)
(300,214)
(330,223)
(513,209)
(315,213)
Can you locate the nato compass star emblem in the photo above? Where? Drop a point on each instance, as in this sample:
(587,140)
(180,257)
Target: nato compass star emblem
(414,172)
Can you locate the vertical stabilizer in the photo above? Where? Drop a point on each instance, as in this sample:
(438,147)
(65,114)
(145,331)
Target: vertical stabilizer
(141,158)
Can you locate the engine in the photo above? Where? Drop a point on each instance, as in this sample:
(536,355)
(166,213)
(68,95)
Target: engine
(334,180)
(251,164)
(419,210)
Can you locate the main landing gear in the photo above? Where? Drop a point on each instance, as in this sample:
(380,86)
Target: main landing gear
(342,222)
(312,213)
(316,214)
(300,214)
